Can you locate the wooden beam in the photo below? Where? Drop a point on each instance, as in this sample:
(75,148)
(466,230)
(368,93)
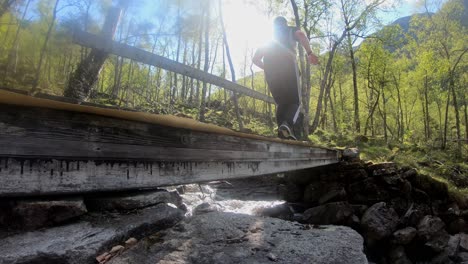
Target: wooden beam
(109,46)
(47,151)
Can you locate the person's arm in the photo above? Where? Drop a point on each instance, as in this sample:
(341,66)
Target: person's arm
(304,41)
(258,58)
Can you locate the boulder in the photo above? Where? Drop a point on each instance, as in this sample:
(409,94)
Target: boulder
(459,225)
(378,222)
(381,169)
(83,241)
(430,226)
(329,214)
(464,242)
(397,255)
(366,192)
(32,214)
(204,208)
(316,191)
(333,195)
(404,236)
(282,211)
(351,154)
(234,238)
(133,200)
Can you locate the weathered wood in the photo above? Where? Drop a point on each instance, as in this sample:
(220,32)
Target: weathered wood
(109,46)
(47,151)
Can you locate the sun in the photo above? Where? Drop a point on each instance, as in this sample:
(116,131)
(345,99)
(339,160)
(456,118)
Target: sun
(247,28)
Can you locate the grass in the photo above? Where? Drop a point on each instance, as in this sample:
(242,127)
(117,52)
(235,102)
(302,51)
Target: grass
(440,165)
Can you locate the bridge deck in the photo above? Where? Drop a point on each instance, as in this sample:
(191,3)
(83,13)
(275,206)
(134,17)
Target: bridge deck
(53,147)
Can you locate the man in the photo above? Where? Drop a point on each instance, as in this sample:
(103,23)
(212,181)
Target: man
(278,60)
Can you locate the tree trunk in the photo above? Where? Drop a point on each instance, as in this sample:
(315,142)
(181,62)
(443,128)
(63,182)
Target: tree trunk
(44,48)
(206,65)
(13,54)
(357,123)
(457,114)
(231,66)
(80,84)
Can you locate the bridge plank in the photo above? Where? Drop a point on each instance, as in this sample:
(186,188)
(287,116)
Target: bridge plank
(50,151)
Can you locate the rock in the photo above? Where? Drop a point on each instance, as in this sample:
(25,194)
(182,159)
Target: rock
(404,236)
(131,242)
(351,154)
(329,214)
(316,191)
(437,189)
(397,255)
(438,242)
(282,211)
(228,238)
(272,257)
(381,169)
(312,193)
(81,242)
(459,225)
(333,195)
(464,242)
(463,257)
(409,174)
(378,222)
(355,175)
(32,214)
(430,226)
(359,209)
(366,192)
(132,201)
(453,246)
(292,192)
(205,208)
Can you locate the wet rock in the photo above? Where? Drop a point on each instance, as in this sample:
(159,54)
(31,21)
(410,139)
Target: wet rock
(81,242)
(32,214)
(206,208)
(404,236)
(329,214)
(378,222)
(132,201)
(233,238)
(282,211)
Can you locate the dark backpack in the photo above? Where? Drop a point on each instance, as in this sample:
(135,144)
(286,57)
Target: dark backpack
(286,38)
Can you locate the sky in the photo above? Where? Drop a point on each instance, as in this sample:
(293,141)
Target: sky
(248,23)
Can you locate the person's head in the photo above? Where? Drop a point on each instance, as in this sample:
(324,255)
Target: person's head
(279,24)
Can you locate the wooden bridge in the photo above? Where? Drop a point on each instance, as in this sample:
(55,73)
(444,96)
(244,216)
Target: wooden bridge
(51,145)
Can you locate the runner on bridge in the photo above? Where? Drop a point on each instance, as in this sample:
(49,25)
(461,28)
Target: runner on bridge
(278,60)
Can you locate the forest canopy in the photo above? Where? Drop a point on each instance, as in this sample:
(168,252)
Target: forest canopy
(404,83)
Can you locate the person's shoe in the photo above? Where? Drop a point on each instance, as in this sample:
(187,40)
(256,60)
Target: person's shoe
(285,132)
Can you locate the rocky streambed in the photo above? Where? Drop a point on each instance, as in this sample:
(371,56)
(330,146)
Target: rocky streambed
(352,212)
